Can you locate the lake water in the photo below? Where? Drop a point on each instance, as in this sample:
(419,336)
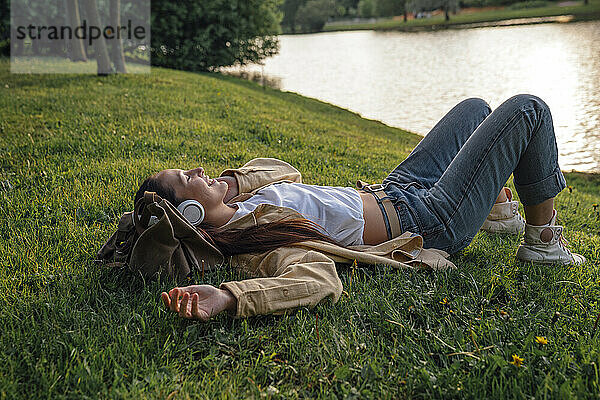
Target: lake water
(410,80)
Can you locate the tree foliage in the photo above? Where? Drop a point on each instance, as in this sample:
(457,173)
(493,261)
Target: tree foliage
(366,8)
(203,35)
(430,5)
(312,16)
(386,8)
(290,9)
(294,10)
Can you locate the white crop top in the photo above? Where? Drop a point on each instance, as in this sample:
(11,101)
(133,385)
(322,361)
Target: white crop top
(338,210)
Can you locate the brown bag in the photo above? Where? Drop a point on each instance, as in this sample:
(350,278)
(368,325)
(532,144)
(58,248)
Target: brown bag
(156,238)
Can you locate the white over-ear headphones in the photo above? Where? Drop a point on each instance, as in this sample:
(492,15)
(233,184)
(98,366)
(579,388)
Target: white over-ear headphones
(193,211)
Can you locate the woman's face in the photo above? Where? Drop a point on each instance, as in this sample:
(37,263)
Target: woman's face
(195,185)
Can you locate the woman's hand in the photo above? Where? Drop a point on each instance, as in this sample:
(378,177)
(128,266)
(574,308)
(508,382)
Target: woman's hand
(198,301)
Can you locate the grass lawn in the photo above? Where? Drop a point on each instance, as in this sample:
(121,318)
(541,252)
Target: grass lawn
(61,65)
(74,149)
(580,12)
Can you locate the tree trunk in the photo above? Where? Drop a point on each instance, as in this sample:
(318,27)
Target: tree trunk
(100,51)
(75,46)
(405,16)
(35,47)
(446,12)
(118,58)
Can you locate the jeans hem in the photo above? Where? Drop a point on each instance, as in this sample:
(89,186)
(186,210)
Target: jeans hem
(538,192)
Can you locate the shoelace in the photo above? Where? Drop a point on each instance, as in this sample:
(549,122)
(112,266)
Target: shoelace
(562,241)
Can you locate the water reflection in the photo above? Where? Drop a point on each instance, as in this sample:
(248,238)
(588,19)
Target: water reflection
(410,80)
(256,76)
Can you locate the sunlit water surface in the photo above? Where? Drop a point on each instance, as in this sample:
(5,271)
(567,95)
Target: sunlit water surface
(410,80)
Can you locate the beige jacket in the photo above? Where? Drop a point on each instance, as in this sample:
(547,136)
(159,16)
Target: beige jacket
(305,273)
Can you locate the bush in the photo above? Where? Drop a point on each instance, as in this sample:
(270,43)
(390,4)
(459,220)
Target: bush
(528,4)
(486,3)
(203,35)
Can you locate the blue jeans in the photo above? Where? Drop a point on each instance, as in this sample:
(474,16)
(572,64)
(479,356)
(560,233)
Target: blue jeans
(447,186)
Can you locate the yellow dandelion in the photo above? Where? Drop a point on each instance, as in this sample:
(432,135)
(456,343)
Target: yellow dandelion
(444,301)
(595,205)
(570,188)
(541,340)
(517,361)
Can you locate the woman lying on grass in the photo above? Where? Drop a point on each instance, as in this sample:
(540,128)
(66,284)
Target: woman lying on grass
(445,191)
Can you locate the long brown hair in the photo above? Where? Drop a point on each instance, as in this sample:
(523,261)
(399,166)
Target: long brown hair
(254,239)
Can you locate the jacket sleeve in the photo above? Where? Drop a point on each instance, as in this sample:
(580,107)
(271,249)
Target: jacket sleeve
(259,172)
(292,277)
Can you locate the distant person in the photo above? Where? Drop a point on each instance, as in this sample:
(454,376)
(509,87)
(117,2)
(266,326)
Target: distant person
(289,234)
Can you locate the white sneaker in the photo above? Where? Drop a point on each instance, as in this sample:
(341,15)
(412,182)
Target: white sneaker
(504,217)
(546,245)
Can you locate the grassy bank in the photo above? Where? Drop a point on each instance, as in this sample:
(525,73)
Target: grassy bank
(74,149)
(580,12)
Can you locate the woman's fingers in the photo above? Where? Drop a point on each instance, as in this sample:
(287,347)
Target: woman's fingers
(195,306)
(174,299)
(183,307)
(197,312)
(166,299)
(189,305)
